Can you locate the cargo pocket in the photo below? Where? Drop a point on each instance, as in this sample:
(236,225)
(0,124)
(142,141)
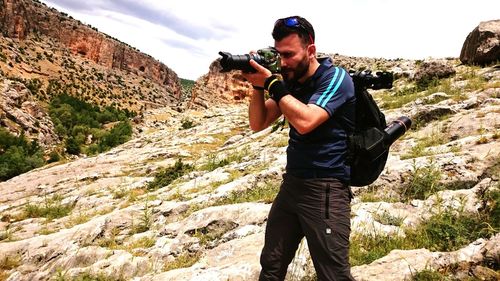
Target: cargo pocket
(337,219)
(336,235)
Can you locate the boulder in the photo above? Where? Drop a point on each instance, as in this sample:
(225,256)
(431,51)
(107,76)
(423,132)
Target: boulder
(432,70)
(482,45)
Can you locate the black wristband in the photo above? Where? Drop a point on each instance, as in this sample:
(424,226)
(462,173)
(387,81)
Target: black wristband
(270,80)
(276,88)
(258,88)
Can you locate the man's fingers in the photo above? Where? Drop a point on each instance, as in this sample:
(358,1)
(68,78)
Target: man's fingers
(257,66)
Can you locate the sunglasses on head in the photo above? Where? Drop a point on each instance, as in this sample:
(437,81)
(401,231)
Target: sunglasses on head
(293,22)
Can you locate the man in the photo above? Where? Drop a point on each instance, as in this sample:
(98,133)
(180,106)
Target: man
(317,99)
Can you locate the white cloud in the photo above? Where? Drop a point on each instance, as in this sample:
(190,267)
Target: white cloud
(187,35)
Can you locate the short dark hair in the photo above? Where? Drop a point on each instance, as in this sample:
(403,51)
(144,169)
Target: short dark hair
(303,29)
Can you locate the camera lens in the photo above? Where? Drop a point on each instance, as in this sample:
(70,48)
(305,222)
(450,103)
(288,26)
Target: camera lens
(396,129)
(238,62)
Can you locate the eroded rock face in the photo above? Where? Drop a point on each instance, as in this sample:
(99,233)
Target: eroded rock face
(217,87)
(19,18)
(482,45)
(20,113)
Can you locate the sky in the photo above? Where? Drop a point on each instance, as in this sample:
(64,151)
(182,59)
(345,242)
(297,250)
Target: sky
(187,35)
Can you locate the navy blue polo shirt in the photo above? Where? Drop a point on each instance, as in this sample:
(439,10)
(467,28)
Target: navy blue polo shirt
(322,152)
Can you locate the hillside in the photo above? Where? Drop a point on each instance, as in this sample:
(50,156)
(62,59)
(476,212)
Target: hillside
(50,53)
(187,198)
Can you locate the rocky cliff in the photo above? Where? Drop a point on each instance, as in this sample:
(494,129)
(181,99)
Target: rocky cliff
(44,53)
(217,87)
(21,18)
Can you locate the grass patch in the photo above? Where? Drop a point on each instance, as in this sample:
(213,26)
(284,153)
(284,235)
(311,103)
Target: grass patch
(183,261)
(388,219)
(365,249)
(400,97)
(437,137)
(50,209)
(214,162)
(77,219)
(371,194)
(423,182)
(111,241)
(6,234)
(86,276)
(445,86)
(281,142)
(265,192)
(449,232)
(427,275)
(446,231)
(10,262)
(143,242)
(168,175)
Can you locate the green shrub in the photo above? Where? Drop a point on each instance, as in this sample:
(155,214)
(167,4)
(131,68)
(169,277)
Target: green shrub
(75,119)
(168,175)
(54,156)
(427,275)
(258,193)
(33,85)
(117,135)
(18,155)
(50,209)
(214,162)
(423,182)
(187,123)
(365,249)
(450,232)
(73,146)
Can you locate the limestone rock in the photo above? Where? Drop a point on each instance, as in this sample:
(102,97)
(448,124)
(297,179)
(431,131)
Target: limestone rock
(21,113)
(432,70)
(482,45)
(401,265)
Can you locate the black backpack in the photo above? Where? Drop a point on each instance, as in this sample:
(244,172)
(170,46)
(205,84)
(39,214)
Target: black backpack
(368,145)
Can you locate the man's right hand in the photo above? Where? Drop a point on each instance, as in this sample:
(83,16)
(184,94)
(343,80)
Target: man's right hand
(257,78)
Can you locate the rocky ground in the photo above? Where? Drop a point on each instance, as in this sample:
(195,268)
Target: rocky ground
(109,217)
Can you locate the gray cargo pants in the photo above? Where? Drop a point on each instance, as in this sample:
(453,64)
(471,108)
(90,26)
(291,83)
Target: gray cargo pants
(318,209)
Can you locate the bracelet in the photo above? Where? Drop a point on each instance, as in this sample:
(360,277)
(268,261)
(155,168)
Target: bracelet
(258,88)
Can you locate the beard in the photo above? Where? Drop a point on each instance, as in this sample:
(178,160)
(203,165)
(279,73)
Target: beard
(293,75)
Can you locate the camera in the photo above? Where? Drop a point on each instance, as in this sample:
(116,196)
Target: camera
(267,57)
(366,80)
(381,80)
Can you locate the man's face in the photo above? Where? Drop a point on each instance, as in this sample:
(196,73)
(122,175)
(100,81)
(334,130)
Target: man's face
(294,57)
